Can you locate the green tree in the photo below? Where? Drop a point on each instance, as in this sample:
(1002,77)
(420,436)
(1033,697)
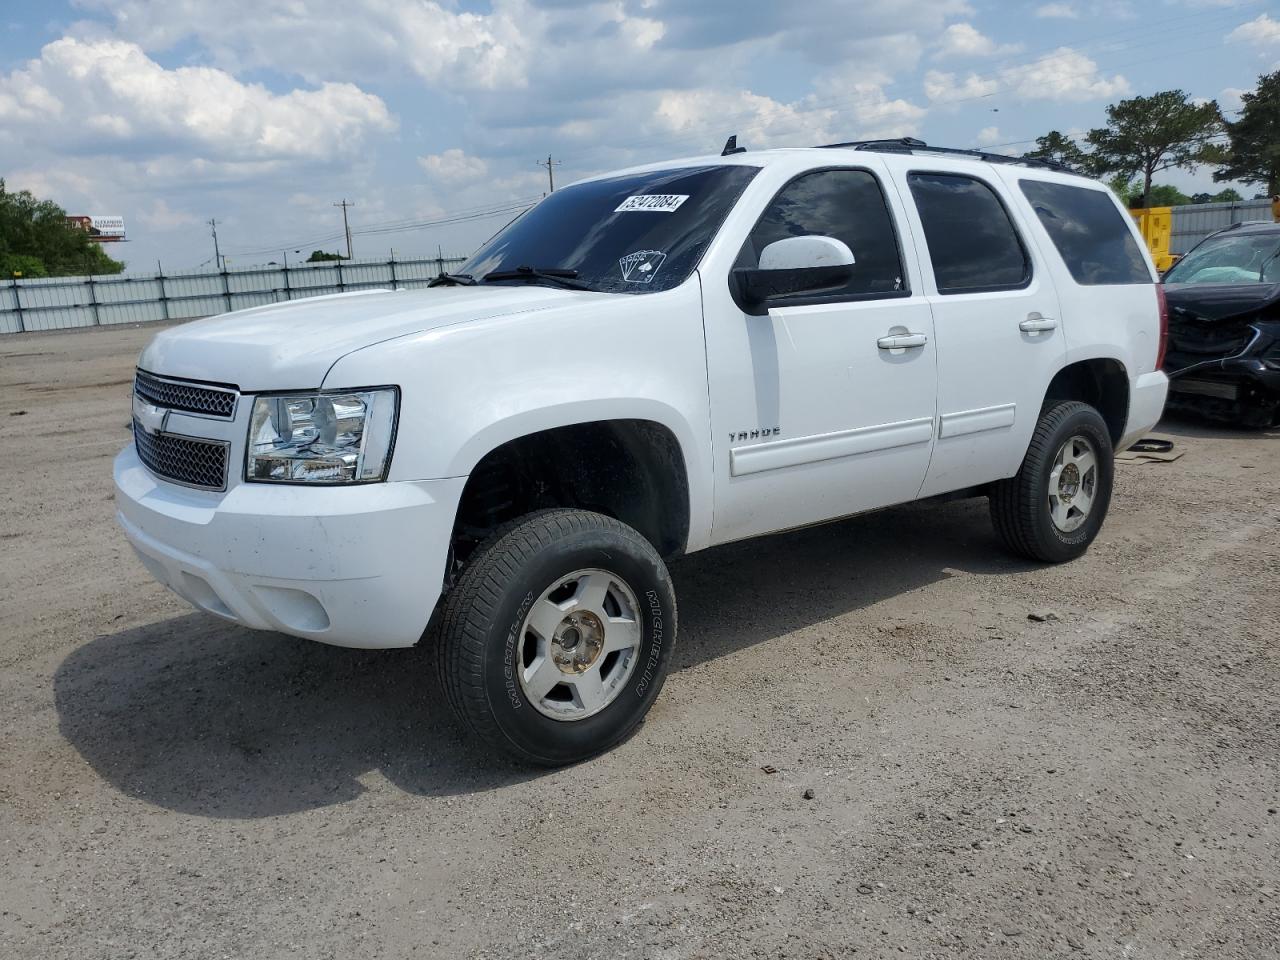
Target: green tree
(1145,135)
(1123,187)
(35,240)
(323,256)
(1222,196)
(1252,154)
(1059,148)
(1165,195)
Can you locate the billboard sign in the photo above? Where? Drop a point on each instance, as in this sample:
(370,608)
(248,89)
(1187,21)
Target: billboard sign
(104,229)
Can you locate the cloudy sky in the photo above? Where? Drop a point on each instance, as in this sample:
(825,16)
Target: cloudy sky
(431,115)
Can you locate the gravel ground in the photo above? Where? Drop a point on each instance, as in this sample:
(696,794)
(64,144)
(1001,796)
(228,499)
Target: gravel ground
(1103,783)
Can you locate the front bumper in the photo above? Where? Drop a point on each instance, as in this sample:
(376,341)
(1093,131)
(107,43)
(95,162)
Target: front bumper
(1244,389)
(358,566)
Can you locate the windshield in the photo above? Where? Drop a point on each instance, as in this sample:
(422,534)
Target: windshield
(1243,258)
(639,233)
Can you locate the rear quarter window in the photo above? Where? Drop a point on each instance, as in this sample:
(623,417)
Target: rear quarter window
(1090,233)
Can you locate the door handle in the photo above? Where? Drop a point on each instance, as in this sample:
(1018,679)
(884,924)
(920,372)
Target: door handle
(1035,323)
(901,341)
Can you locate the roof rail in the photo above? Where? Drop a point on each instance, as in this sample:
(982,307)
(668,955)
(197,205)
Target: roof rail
(912,145)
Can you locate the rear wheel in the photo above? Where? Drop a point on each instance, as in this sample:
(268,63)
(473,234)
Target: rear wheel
(558,635)
(1053,508)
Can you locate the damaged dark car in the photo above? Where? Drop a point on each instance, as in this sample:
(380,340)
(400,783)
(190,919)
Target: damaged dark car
(1223,358)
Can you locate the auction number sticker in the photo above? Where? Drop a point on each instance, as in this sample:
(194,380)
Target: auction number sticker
(652,203)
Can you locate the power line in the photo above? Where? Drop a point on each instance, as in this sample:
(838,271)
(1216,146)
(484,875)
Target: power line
(399,226)
(391,226)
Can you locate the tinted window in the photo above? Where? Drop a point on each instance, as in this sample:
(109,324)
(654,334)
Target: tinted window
(1089,232)
(971,240)
(638,233)
(847,205)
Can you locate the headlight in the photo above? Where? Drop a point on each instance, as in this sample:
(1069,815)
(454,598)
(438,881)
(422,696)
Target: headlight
(332,437)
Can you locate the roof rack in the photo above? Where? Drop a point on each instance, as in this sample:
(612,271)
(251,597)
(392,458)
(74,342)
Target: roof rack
(912,145)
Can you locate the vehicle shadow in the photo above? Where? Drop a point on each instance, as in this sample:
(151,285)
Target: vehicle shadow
(203,717)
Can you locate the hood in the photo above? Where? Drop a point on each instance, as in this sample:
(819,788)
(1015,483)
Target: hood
(1215,302)
(292,345)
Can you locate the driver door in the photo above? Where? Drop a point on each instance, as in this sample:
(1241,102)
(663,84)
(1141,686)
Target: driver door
(816,412)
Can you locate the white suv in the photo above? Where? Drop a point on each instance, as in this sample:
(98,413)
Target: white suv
(645,364)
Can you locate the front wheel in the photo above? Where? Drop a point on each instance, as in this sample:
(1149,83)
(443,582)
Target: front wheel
(558,635)
(1054,506)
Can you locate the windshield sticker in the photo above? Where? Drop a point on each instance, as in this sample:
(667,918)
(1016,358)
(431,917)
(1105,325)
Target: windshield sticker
(642,266)
(653,203)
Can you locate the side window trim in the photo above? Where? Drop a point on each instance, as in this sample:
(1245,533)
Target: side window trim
(802,300)
(1030,273)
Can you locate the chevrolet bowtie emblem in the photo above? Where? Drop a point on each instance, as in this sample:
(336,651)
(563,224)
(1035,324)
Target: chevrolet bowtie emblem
(152,419)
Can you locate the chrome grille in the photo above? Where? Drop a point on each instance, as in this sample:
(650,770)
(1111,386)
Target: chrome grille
(188,397)
(186,460)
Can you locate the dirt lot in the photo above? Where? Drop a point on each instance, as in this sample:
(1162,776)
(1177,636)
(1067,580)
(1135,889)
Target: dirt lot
(1103,784)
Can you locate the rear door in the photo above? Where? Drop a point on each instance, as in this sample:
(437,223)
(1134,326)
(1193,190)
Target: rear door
(995,316)
(1105,278)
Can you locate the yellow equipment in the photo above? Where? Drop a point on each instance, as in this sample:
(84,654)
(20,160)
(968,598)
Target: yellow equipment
(1156,225)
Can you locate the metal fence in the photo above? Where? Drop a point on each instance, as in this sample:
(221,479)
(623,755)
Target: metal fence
(1193,222)
(62,302)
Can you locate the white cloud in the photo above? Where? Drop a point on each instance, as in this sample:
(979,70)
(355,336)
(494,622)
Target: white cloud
(965,40)
(759,120)
(861,111)
(876,115)
(454,166)
(987,136)
(161,216)
(942,87)
(1261,32)
(1057,11)
(202,110)
(108,95)
(1230,100)
(1064,75)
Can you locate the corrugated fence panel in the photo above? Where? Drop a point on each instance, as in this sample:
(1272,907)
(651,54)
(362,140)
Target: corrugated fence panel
(63,302)
(8,309)
(192,307)
(1193,222)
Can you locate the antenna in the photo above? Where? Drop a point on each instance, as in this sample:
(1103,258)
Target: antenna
(731,147)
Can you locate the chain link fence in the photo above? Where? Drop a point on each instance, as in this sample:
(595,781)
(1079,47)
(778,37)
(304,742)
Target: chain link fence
(60,303)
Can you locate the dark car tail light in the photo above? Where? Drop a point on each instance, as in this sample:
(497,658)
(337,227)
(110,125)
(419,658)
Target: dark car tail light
(1163,302)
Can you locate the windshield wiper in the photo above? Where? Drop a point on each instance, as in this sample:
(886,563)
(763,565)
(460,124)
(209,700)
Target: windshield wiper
(453,279)
(563,278)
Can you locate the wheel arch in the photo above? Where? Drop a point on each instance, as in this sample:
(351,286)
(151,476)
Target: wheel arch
(631,468)
(1102,382)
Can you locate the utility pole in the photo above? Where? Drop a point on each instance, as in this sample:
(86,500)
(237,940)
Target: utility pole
(217,257)
(345,227)
(550,165)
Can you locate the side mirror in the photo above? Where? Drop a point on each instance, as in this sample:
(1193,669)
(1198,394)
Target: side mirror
(796,265)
